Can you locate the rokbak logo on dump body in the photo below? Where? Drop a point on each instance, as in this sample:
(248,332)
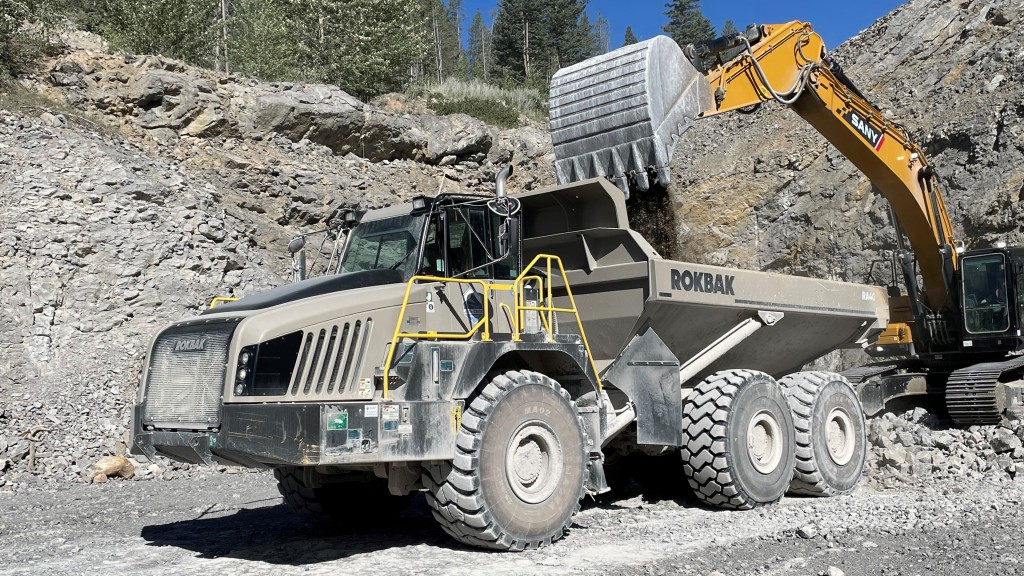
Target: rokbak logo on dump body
(703,282)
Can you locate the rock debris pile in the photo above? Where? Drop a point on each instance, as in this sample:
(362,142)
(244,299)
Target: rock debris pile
(920,447)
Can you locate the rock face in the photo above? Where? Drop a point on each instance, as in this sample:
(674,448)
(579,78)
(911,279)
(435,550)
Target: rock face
(169,186)
(169,99)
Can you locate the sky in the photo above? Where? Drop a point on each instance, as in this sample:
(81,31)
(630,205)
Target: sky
(835,21)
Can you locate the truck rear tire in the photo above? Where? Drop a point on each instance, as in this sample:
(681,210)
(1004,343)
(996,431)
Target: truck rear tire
(738,440)
(831,442)
(364,496)
(520,466)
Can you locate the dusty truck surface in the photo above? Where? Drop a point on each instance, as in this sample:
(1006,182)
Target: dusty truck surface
(493,350)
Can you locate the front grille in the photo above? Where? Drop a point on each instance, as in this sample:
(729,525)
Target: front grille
(186,376)
(329,361)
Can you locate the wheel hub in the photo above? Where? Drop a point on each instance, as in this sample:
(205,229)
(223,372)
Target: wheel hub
(764,442)
(839,436)
(528,462)
(533,462)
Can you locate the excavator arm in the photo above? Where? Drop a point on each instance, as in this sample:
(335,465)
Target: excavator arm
(636,94)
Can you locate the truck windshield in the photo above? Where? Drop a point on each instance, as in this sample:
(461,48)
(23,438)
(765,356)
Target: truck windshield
(387,244)
(985,294)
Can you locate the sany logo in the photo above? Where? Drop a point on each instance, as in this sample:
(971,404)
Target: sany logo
(874,137)
(190,345)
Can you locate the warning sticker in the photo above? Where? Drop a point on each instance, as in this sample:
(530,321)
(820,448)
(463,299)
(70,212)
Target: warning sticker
(339,421)
(456,417)
(390,412)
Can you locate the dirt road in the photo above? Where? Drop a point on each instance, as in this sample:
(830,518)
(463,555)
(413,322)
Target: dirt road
(236,524)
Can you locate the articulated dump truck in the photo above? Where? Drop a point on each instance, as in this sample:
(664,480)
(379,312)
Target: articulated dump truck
(496,351)
(490,350)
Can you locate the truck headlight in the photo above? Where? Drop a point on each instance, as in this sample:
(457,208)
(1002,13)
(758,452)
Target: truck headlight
(244,370)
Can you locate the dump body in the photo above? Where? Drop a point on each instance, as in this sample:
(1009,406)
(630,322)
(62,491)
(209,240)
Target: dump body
(690,305)
(623,287)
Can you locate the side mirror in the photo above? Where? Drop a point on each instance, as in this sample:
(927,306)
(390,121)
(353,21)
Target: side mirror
(297,243)
(504,238)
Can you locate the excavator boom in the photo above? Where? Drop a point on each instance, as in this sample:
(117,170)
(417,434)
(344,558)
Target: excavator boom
(619,115)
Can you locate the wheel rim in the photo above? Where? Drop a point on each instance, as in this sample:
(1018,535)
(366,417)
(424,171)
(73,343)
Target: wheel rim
(764,442)
(839,436)
(533,462)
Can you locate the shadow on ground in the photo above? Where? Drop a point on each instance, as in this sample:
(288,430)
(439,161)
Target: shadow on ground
(276,535)
(652,478)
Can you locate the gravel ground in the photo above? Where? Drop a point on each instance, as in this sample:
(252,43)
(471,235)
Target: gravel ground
(237,524)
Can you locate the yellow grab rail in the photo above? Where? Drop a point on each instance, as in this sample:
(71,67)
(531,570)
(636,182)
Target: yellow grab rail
(483,322)
(549,306)
(517,318)
(221,300)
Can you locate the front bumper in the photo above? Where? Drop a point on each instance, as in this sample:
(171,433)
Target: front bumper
(350,433)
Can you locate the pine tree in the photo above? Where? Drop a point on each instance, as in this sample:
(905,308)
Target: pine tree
(453,52)
(478,54)
(444,31)
(686,23)
(729,28)
(367,47)
(534,38)
(604,34)
(630,37)
(516,38)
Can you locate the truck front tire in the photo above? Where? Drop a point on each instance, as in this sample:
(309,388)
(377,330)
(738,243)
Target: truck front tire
(520,466)
(738,440)
(333,504)
(831,442)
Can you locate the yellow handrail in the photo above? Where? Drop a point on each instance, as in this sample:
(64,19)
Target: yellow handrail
(484,322)
(550,307)
(517,321)
(221,299)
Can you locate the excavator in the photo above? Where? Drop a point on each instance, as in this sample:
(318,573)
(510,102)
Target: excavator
(955,328)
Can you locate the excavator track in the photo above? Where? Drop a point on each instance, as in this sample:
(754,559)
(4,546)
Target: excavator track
(973,395)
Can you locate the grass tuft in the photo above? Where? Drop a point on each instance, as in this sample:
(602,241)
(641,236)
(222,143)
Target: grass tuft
(495,105)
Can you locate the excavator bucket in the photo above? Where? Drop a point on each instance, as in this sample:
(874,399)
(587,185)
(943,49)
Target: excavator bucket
(620,114)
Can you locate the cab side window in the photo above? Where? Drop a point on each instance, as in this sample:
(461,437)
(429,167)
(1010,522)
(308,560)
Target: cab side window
(473,242)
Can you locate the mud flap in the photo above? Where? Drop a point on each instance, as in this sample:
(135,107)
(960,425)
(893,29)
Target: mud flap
(648,373)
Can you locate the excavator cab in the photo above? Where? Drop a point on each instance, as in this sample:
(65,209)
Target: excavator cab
(992,299)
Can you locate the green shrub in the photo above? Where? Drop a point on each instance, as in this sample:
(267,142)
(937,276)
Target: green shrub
(495,113)
(492,104)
